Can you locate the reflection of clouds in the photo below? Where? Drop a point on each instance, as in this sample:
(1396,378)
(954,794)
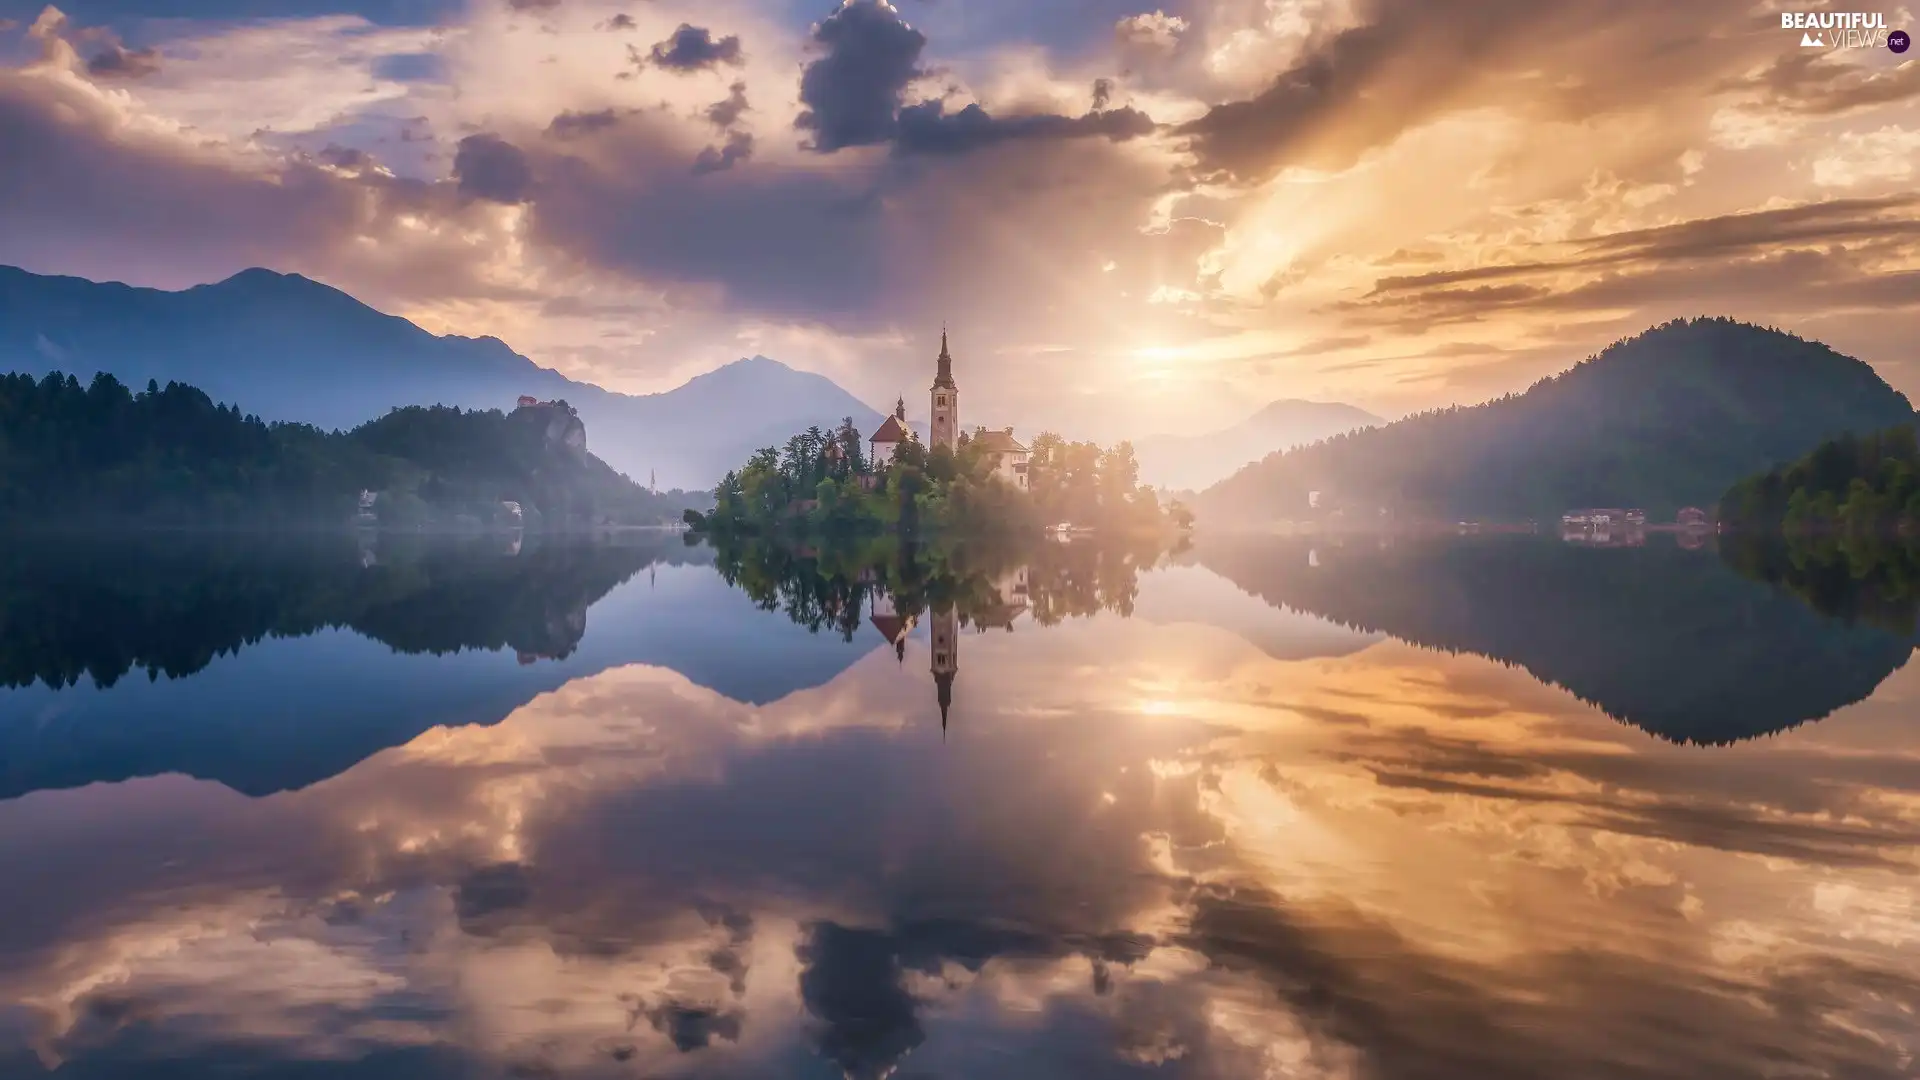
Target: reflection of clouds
(1376,863)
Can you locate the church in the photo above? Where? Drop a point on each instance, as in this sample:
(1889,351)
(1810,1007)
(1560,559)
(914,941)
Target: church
(1007,456)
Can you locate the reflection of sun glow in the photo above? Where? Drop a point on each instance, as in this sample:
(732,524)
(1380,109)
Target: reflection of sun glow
(1159,708)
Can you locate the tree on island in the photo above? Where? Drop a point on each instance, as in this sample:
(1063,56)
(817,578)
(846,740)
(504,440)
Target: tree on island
(819,484)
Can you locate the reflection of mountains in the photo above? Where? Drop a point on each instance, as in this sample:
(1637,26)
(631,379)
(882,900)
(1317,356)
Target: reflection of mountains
(1668,640)
(271,665)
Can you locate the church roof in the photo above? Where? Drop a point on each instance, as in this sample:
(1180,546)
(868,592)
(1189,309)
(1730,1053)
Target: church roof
(998,442)
(890,432)
(891,627)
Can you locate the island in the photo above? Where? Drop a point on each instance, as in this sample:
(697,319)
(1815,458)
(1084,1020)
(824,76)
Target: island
(835,485)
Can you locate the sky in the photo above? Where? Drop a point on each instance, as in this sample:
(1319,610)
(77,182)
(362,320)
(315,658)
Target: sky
(1131,218)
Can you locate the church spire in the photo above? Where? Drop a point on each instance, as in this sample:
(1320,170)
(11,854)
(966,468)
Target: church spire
(944,378)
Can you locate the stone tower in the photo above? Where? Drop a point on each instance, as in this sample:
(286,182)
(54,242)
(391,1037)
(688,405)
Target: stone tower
(946,402)
(946,659)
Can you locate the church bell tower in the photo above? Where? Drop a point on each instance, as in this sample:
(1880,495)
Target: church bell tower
(946,659)
(946,402)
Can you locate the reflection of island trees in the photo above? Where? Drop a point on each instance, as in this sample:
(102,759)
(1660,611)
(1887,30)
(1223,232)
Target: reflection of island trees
(170,604)
(1664,639)
(834,589)
(1856,578)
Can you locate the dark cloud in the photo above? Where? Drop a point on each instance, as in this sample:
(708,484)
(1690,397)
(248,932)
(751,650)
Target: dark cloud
(344,157)
(409,67)
(622,21)
(490,896)
(533,5)
(725,113)
(737,148)
(489,167)
(852,983)
(570,123)
(1102,93)
(852,93)
(694,48)
(120,62)
(927,128)
(695,1027)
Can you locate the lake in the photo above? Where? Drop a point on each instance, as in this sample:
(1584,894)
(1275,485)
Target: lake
(1260,808)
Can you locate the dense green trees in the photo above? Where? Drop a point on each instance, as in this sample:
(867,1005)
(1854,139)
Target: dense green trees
(818,484)
(1859,485)
(1663,420)
(100,452)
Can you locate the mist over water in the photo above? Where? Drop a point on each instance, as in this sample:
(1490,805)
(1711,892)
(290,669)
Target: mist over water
(1493,807)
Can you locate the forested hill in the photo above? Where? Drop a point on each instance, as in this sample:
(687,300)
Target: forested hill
(170,455)
(1667,419)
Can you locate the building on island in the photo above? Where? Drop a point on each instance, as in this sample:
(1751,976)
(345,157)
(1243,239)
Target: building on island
(1008,457)
(1691,517)
(892,433)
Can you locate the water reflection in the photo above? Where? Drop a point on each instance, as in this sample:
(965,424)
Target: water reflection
(1662,637)
(1211,839)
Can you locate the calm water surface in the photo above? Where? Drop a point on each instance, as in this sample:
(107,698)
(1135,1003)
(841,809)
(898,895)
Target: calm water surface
(1263,809)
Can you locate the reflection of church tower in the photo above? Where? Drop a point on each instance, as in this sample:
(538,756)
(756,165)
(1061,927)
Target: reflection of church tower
(946,402)
(946,658)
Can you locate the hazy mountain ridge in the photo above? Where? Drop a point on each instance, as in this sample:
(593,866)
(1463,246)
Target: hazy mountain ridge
(1668,418)
(289,348)
(1192,462)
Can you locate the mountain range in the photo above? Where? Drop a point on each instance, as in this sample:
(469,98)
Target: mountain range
(289,348)
(1192,462)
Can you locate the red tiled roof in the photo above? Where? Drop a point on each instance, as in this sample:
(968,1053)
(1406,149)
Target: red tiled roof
(890,432)
(999,442)
(891,627)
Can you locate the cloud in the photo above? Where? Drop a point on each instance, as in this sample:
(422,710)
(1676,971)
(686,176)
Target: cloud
(927,128)
(1155,29)
(533,5)
(852,94)
(694,48)
(344,157)
(120,62)
(1817,84)
(1886,154)
(738,148)
(725,113)
(489,167)
(1102,93)
(1415,60)
(568,124)
(622,21)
